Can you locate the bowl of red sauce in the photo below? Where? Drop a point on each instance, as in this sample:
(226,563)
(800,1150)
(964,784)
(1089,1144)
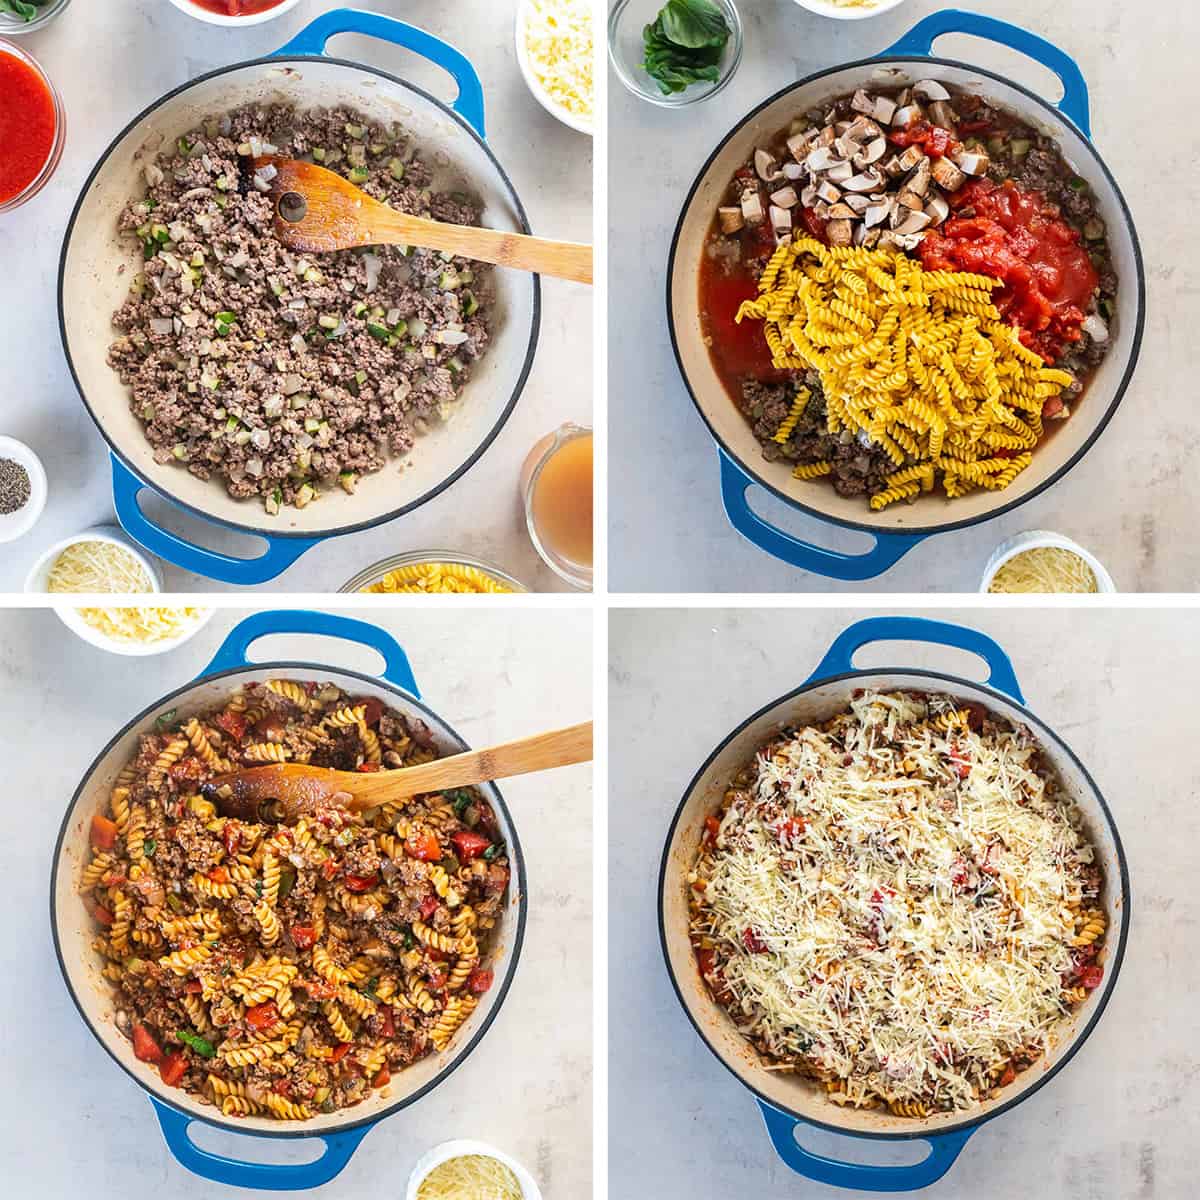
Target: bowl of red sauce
(235,12)
(32,127)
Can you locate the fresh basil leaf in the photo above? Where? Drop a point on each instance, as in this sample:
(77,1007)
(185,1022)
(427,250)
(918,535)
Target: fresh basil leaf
(674,67)
(204,1048)
(169,716)
(694,23)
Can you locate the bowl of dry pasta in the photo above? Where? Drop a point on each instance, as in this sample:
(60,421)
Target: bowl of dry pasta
(284,978)
(425,572)
(893,903)
(906,295)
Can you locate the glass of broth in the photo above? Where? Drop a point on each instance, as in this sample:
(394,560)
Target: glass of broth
(556,486)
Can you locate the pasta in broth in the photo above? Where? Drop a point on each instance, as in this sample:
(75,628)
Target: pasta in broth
(284,970)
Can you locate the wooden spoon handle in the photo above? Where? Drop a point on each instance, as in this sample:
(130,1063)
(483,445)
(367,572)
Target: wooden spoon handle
(563,260)
(559,748)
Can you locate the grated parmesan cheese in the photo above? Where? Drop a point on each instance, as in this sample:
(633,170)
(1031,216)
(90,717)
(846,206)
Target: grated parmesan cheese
(558,42)
(1044,569)
(891,906)
(142,625)
(95,566)
(470,1177)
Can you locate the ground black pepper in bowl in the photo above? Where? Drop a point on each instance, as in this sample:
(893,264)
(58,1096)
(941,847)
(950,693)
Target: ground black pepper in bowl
(14,486)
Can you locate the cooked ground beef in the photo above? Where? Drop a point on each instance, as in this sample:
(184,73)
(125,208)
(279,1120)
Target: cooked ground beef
(276,373)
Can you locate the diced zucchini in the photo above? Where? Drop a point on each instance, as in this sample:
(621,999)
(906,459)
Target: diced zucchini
(359,309)
(359,175)
(311,425)
(179,450)
(396,168)
(356,131)
(378,331)
(470,305)
(305,496)
(360,377)
(318,154)
(348,480)
(400,328)
(328,321)
(159,234)
(312,275)
(449,281)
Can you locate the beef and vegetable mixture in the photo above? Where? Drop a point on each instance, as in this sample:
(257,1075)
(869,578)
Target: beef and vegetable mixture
(287,969)
(997,236)
(278,374)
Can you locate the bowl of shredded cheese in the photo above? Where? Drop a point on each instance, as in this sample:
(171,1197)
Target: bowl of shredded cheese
(433,572)
(103,561)
(1045,563)
(465,1170)
(849,10)
(555,40)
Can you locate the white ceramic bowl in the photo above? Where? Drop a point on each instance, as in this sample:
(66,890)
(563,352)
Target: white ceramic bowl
(1036,538)
(460,1148)
(823,8)
(17,524)
(202,14)
(552,106)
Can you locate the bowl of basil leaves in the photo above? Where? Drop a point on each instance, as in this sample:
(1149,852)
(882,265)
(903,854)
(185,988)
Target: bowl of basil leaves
(28,16)
(674,52)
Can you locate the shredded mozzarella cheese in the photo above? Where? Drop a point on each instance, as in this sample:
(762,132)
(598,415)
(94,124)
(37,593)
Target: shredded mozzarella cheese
(891,905)
(1044,569)
(95,566)
(558,41)
(144,625)
(470,1177)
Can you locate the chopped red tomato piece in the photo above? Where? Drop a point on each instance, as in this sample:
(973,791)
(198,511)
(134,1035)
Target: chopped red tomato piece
(369,766)
(320,989)
(232,724)
(262,1016)
(382,1079)
(387,1022)
(373,707)
(480,980)
(361,883)
(437,980)
(304,936)
(428,907)
(790,829)
(753,942)
(329,868)
(218,875)
(104,832)
(1091,977)
(816,225)
(102,915)
(423,844)
(974,126)
(468,844)
(231,835)
(283,1087)
(1008,1076)
(712,826)
(172,1069)
(339,1052)
(706,960)
(187,769)
(193,987)
(145,1048)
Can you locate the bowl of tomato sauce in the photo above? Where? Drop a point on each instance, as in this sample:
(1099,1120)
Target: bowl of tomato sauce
(32,127)
(235,12)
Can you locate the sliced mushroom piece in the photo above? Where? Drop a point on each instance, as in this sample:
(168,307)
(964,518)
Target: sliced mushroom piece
(906,241)
(899,215)
(937,208)
(839,233)
(766,165)
(839,173)
(781,219)
(863,129)
(876,214)
(821,159)
(860,234)
(885,110)
(1096,328)
(921,178)
(808,197)
(793,171)
(893,168)
(973,162)
(909,115)
(752,207)
(846,147)
(930,89)
(915,222)
(785,198)
(911,157)
(798,146)
(827,136)
(857,202)
(862,103)
(871,153)
(905,97)
(868,181)
(947,176)
(910,199)
(731,219)
(870,236)
(942,113)
(827,192)
(842,211)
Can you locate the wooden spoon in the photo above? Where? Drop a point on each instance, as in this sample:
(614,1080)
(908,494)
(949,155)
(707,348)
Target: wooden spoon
(296,787)
(317,210)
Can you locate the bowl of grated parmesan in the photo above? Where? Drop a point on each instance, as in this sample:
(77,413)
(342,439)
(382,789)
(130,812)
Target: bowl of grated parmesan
(555,51)
(849,10)
(1045,563)
(466,1170)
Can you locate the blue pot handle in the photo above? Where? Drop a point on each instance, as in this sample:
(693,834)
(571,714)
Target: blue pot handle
(219,1169)
(838,659)
(1074,104)
(944,1148)
(889,547)
(234,650)
(279,555)
(313,38)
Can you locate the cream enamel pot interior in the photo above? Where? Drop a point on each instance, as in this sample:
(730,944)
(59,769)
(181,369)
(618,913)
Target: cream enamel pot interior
(97,265)
(789,1101)
(73,928)
(900,527)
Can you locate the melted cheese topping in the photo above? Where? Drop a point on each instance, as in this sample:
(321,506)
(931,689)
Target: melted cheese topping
(470,1177)
(144,625)
(1044,569)
(96,566)
(558,41)
(909,933)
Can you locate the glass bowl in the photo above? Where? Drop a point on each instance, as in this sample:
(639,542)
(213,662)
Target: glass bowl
(375,573)
(578,575)
(11,26)
(625,47)
(40,180)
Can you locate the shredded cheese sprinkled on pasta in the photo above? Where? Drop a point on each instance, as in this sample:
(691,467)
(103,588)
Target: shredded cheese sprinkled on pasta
(95,566)
(558,40)
(1044,569)
(144,625)
(891,903)
(470,1177)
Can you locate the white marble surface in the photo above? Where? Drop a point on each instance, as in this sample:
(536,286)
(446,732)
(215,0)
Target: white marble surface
(112,60)
(72,1122)
(1119,1120)
(1131,501)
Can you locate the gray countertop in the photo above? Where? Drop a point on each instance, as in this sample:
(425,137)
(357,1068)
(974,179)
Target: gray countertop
(72,1122)
(1131,501)
(1119,1120)
(110,61)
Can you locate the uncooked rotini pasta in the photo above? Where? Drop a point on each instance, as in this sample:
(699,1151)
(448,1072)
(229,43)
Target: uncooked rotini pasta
(437,577)
(286,970)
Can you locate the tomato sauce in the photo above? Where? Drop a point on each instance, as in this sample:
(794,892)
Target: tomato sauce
(236,8)
(28,125)
(1017,237)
